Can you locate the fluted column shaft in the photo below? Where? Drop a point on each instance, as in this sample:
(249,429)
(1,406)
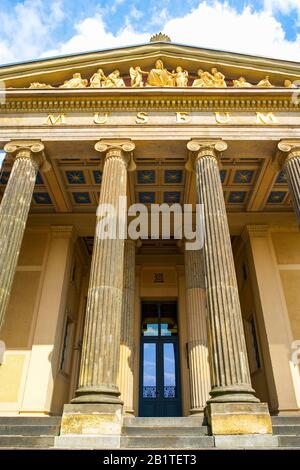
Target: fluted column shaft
(230,374)
(127,343)
(291,165)
(101,342)
(14,211)
(197,331)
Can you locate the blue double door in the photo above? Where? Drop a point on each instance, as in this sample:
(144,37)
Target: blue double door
(159,365)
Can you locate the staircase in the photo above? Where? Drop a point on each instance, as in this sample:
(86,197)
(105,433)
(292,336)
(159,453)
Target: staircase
(287,428)
(137,433)
(28,432)
(165,433)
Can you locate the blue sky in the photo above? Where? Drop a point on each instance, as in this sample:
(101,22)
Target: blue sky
(39,28)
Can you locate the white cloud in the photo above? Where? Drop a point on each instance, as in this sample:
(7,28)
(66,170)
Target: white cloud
(213,24)
(220,26)
(284,6)
(27,28)
(91,34)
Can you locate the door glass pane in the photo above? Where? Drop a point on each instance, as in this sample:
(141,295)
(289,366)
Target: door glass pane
(150,320)
(168,318)
(169,371)
(149,371)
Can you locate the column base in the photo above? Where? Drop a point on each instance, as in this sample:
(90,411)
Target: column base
(238,418)
(100,394)
(233,394)
(196,412)
(91,426)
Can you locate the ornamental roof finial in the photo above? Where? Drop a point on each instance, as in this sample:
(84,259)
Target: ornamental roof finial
(160,37)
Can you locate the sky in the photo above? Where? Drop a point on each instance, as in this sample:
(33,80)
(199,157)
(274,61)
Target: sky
(31,29)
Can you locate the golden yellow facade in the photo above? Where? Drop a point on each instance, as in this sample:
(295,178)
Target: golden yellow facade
(44,321)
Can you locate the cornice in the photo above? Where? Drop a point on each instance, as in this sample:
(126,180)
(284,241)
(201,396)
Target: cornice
(151,50)
(156,99)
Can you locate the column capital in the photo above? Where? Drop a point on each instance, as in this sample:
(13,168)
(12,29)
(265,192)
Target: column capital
(120,148)
(288,149)
(203,148)
(32,149)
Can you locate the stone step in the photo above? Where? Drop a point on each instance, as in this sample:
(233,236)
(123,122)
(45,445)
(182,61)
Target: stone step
(26,441)
(164,422)
(286,430)
(164,431)
(289,441)
(30,420)
(29,430)
(167,442)
(288,420)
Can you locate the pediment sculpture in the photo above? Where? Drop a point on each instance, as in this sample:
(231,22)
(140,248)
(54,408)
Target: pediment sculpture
(160,76)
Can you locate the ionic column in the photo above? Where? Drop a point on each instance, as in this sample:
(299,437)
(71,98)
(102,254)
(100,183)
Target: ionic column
(290,163)
(101,342)
(14,208)
(197,331)
(232,408)
(229,365)
(127,343)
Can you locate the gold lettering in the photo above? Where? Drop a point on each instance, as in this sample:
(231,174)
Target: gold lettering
(262,118)
(142,117)
(100,119)
(55,120)
(223,120)
(182,117)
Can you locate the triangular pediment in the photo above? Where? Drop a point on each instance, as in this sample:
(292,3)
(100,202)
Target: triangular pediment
(55,71)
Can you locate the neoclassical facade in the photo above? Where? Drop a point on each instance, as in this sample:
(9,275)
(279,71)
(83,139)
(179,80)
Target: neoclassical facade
(98,330)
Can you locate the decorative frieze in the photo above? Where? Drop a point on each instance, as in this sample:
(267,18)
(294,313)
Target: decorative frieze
(100,101)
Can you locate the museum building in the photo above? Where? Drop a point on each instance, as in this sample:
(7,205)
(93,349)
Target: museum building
(105,337)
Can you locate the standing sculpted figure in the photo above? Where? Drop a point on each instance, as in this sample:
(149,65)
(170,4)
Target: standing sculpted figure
(136,75)
(159,76)
(75,82)
(96,81)
(218,78)
(181,77)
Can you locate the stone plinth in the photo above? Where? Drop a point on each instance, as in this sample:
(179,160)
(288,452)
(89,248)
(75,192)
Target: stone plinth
(239,418)
(90,426)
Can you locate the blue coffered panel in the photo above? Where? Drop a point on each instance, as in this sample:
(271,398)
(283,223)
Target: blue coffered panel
(281,178)
(173,176)
(223,175)
(97,174)
(147,197)
(39,179)
(172,197)
(243,176)
(4,177)
(75,177)
(42,198)
(146,176)
(237,197)
(81,198)
(276,197)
